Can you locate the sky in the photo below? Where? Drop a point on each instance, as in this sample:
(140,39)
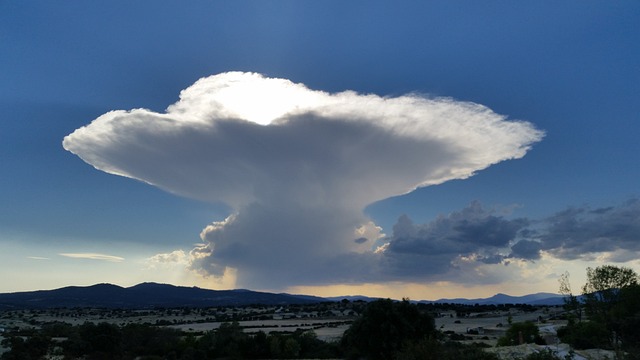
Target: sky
(427,149)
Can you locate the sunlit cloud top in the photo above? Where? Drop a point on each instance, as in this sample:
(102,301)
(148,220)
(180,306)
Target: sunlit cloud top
(368,147)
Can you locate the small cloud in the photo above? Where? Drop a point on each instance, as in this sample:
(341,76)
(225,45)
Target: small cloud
(93,256)
(37,258)
(174,258)
(491,259)
(526,250)
(361,240)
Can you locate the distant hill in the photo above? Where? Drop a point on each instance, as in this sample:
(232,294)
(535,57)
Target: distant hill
(352,298)
(532,299)
(145,295)
(154,295)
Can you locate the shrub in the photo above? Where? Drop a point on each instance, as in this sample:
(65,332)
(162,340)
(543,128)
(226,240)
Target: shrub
(526,332)
(585,335)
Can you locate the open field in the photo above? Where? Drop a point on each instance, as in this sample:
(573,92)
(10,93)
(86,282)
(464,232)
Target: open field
(327,329)
(328,324)
(487,327)
(481,326)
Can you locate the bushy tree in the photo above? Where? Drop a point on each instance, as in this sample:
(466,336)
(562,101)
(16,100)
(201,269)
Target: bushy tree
(523,332)
(32,348)
(604,288)
(611,299)
(432,349)
(384,327)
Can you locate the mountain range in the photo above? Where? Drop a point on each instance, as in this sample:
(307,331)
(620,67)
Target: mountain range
(154,295)
(145,295)
(531,299)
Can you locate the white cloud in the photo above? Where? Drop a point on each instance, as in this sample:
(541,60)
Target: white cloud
(297,166)
(174,258)
(93,256)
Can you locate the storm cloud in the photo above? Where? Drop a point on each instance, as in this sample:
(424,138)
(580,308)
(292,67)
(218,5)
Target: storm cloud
(476,235)
(473,234)
(298,166)
(583,233)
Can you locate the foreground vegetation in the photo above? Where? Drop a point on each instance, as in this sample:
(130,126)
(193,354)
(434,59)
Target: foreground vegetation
(385,330)
(133,341)
(607,315)
(414,337)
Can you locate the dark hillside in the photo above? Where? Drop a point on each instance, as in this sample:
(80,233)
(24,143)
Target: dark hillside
(145,295)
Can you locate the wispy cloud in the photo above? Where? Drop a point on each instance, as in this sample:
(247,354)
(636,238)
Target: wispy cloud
(37,258)
(93,256)
(298,167)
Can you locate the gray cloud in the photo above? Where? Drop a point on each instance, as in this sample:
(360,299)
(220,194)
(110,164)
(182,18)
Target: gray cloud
(433,248)
(361,240)
(298,166)
(481,236)
(526,249)
(581,232)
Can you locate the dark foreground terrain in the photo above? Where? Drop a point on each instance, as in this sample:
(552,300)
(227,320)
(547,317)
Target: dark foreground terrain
(324,330)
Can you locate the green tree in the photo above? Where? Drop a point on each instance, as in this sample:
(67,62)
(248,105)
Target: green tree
(385,327)
(519,333)
(230,340)
(611,298)
(432,349)
(34,347)
(585,335)
(604,287)
(625,320)
(291,348)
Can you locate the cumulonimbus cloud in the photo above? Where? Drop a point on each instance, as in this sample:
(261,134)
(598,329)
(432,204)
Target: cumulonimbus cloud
(298,166)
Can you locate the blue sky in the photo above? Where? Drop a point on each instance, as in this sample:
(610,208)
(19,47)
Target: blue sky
(569,69)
